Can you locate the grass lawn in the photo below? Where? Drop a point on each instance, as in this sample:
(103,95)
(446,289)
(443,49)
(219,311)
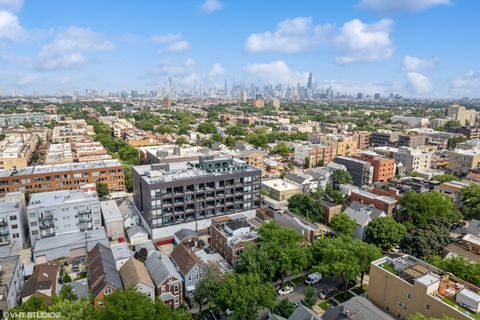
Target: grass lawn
(342,297)
(360,290)
(456,306)
(389,267)
(325,305)
(299,281)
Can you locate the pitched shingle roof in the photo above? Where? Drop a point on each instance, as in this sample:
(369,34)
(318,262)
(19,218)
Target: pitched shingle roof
(160,267)
(133,272)
(102,270)
(184,258)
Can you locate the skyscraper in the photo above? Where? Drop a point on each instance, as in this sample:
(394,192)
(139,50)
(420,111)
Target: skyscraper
(310,81)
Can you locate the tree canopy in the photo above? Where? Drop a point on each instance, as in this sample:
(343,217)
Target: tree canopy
(471,201)
(343,225)
(306,206)
(341,177)
(385,233)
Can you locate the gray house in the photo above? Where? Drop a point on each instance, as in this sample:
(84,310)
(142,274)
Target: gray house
(191,268)
(168,282)
(363,214)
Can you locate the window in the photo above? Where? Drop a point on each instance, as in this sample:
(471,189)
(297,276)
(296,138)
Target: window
(427,307)
(13,218)
(14,226)
(409,295)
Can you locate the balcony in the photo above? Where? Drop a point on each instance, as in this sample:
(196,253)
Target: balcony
(45,217)
(50,232)
(4,241)
(3,223)
(86,226)
(4,232)
(84,211)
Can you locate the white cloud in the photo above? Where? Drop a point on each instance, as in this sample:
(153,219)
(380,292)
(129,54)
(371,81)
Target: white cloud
(353,87)
(216,72)
(276,72)
(10,28)
(359,42)
(292,35)
(166,38)
(27,80)
(174,42)
(175,69)
(394,6)
(420,83)
(467,85)
(178,47)
(70,47)
(211,5)
(11,5)
(414,64)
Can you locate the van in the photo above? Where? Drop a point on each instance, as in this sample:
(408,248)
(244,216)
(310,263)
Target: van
(313,278)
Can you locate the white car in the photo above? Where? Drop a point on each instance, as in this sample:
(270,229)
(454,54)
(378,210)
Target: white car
(313,278)
(285,290)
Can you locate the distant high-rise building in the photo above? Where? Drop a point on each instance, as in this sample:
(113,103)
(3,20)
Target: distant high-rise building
(376,96)
(243,96)
(310,81)
(359,95)
(134,94)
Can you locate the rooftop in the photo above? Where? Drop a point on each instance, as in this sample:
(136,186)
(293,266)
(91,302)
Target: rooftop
(56,198)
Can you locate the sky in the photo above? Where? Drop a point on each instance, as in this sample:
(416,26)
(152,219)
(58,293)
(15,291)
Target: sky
(418,48)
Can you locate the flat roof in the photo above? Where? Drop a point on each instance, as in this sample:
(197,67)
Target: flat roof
(56,198)
(110,211)
(70,239)
(280,185)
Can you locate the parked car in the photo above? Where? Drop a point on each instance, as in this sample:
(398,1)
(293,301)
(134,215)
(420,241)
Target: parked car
(296,304)
(313,278)
(285,290)
(345,286)
(326,293)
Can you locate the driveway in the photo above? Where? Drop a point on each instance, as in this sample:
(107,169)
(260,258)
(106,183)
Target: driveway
(298,293)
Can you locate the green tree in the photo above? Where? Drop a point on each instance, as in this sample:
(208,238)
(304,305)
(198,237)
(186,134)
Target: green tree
(73,310)
(460,267)
(343,225)
(284,308)
(336,257)
(127,305)
(67,278)
(256,260)
(445,178)
(306,206)
(425,242)
(67,293)
(205,288)
(165,312)
(34,303)
(335,195)
(422,207)
(471,201)
(365,253)
(282,246)
(385,233)
(282,149)
(244,294)
(306,163)
(341,177)
(236,131)
(181,141)
(310,297)
(207,128)
(259,140)
(102,189)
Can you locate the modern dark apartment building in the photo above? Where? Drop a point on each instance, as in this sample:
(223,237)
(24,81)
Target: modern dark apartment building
(384,138)
(361,171)
(188,194)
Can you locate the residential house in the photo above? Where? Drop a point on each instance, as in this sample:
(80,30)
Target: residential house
(362,214)
(12,283)
(168,282)
(103,276)
(121,254)
(190,267)
(134,274)
(42,283)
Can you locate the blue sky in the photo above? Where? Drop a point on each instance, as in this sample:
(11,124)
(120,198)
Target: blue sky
(420,48)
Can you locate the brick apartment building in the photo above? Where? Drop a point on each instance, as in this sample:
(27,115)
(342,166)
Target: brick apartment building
(230,236)
(384,203)
(69,176)
(383,168)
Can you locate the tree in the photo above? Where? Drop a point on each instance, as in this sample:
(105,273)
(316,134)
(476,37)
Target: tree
(102,189)
(460,267)
(471,201)
(181,141)
(127,305)
(385,233)
(343,225)
(310,297)
(67,278)
(259,140)
(73,309)
(206,287)
(35,303)
(282,149)
(284,308)
(257,261)
(421,208)
(244,294)
(341,177)
(452,124)
(336,257)
(425,242)
(282,246)
(66,293)
(236,131)
(306,163)
(335,195)
(445,178)
(207,128)
(165,312)
(141,255)
(306,206)
(365,253)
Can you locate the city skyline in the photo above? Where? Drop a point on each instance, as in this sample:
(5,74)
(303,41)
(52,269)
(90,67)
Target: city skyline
(368,46)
